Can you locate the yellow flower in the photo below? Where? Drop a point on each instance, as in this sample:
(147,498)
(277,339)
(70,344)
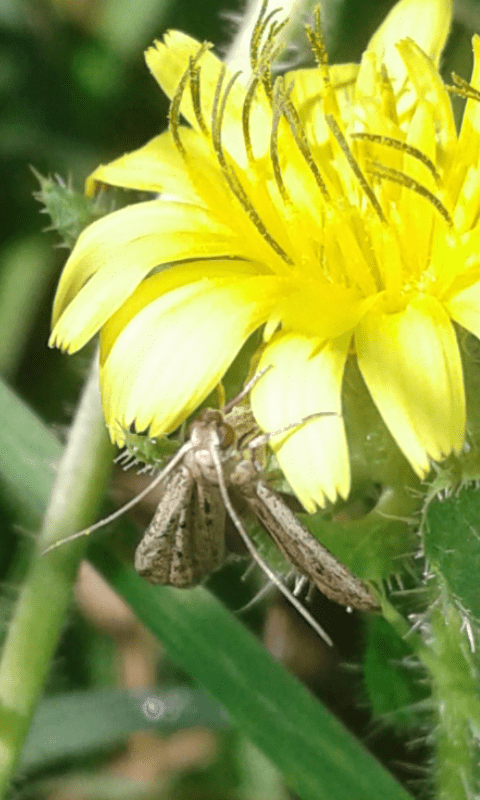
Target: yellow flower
(336,206)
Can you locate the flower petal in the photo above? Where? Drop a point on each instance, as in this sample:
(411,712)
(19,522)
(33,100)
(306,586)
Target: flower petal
(155,167)
(464,308)
(162,283)
(305,379)
(411,364)
(168,61)
(174,351)
(308,91)
(322,310)
(468,150)
(426,21)
(430,91)
(114,254)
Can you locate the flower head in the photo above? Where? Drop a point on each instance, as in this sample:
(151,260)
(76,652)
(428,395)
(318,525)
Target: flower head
(335,206)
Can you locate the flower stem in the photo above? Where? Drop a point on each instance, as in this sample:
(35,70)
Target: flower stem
(455,695)
(39,615)
(446,647)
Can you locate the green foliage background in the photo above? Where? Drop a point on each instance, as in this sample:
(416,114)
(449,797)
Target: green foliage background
(74,92)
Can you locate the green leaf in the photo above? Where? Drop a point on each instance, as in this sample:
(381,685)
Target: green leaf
(372,546)
(28,454)
(26,266)
(315,753)
(396,690)
(70,210)
(452,544)
(78,723)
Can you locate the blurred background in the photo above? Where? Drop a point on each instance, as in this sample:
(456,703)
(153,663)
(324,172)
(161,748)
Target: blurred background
(74,92)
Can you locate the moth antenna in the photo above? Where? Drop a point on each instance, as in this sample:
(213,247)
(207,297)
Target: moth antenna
(214,448)
(246,389)
(131,503)
(263,438)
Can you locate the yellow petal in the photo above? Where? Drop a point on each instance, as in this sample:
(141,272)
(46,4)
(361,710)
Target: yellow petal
(114,254)
(469,137)
(169,60)
(165,282)
(455,262)
(322,310)
(174,351)
(305,378)
(307,93)
(464,308)
(155,167)
(411,364)
(426,21)
(430,90)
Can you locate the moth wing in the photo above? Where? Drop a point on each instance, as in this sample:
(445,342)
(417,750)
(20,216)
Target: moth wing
(208,530)
(159,558)
(306,553)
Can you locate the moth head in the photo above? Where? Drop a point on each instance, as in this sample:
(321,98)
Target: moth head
(210,421)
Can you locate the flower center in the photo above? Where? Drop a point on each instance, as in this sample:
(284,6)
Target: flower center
(356,209)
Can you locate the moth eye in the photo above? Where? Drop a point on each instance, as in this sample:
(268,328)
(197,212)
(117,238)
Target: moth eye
(208,417)
(227,435)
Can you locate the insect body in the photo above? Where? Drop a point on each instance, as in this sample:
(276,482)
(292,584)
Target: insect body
(185,542)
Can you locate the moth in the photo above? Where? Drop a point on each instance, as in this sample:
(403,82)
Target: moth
(185,542)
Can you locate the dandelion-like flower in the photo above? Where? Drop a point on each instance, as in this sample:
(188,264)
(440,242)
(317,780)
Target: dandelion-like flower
(335,206)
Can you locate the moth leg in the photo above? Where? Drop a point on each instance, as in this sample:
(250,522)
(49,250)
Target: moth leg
(214,451)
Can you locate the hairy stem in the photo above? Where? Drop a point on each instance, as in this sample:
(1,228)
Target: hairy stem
(456,700)
(39,615)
